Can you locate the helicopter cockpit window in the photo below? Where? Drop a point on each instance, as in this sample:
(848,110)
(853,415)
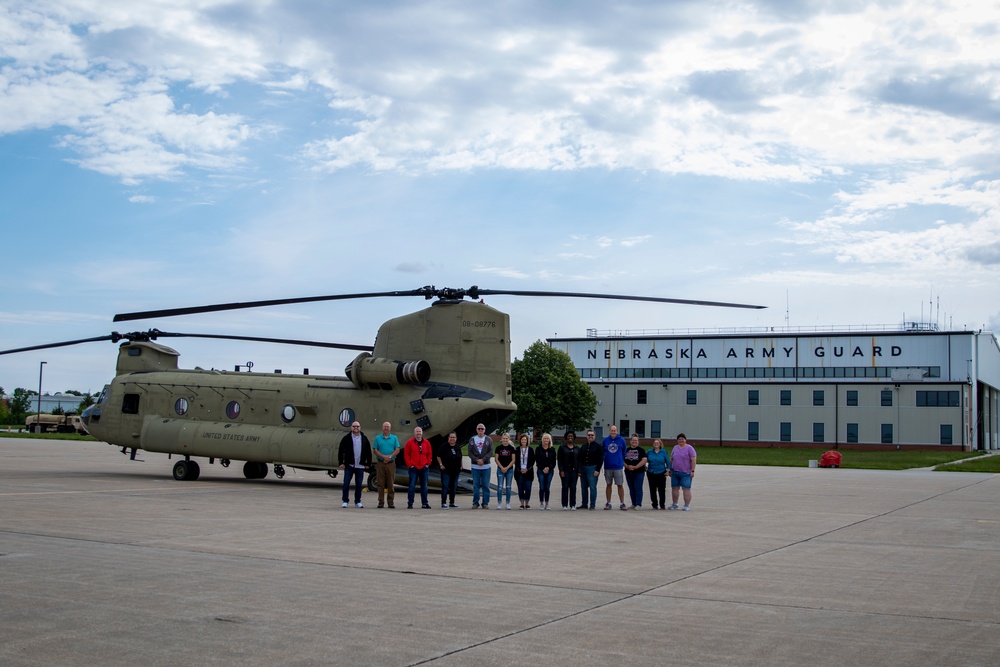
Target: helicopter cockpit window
(233,410)
(130,404)
(287,413)
(181,406)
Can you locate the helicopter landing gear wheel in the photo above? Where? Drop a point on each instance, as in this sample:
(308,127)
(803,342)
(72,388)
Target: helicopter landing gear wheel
(186,471)
(279,470)
(372,482)
(254,470)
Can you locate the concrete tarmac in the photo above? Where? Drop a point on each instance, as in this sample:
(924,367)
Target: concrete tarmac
(109,561)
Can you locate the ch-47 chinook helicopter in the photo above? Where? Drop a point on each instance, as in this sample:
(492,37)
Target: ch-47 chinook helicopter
(444,368)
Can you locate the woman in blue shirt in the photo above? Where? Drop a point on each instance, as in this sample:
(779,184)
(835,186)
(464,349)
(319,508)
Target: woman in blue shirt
(658,465)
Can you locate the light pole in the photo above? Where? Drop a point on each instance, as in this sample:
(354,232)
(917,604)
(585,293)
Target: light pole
(38,422)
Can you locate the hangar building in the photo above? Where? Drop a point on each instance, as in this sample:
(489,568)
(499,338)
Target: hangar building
(874,387)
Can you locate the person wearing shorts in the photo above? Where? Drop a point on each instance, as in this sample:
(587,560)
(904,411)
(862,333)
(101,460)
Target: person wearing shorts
(683,460)
(614,465)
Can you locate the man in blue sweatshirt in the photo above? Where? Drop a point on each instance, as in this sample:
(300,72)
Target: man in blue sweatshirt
(614,465)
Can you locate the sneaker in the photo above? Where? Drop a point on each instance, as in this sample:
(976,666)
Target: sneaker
(565,508)
(675,506)
(444,506)
(359,506)
(507,506)
(635,507)
(623,508)
(593,507)
(453,506)
(392,507)
(573,508)
(409,506)
(426,507)
(686,508)
(343,504)
(475,506)
(607,506)
(380,506)
(499,506)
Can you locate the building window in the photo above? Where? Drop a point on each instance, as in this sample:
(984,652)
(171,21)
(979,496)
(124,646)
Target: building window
(818,397)
(852,433)
(692,397)
(946,434)
(935,399)
(753,431)
(819,429)
(852,397)
(623,427)
(654,428)
(640,397)
(753,397)
(640,428)
(886,434)
(887,398)
(786,396)
(786,431)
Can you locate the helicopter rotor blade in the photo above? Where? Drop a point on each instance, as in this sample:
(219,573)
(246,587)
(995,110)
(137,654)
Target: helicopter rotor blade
(257,339)
(153,334)
(65,343)
(428,292)
(214,308)
(476,292)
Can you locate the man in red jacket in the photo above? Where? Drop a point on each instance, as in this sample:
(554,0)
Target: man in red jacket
(417,455)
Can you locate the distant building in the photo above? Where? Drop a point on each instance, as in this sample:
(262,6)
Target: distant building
(909,386)
(68,402)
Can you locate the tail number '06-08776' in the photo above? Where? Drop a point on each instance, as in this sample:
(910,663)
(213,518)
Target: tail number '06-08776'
(480,324)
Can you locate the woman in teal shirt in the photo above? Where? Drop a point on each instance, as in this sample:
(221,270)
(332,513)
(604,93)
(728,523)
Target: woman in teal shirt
(657,466)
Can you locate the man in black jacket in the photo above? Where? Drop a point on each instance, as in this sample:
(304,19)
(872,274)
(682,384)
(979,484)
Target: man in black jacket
(354,457)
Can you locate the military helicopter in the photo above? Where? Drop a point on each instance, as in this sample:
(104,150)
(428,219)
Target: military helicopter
(444,368)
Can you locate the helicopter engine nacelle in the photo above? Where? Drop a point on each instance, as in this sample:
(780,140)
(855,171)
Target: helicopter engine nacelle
(368,372)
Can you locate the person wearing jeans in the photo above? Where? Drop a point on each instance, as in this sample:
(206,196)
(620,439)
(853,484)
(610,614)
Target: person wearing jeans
(353,457)
(480,454)
(504,455)
(545,461)
(591,460)
(524,467)
(449,458)
(569,469)
(417,455)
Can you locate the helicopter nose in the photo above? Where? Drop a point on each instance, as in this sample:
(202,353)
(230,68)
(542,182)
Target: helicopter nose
(93,413)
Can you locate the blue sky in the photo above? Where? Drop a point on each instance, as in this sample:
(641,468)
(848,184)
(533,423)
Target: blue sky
(836,161)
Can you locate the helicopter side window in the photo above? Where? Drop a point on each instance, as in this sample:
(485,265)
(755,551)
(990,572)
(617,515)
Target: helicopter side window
(181,406)
(233,410)
(130,404)
(288,413)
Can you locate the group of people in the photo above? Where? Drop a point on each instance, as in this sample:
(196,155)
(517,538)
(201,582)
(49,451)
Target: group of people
(622,462)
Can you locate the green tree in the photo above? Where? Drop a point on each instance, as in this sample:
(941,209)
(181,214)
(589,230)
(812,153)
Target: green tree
(85,401)
(58,410)
(549,392)
(20,404)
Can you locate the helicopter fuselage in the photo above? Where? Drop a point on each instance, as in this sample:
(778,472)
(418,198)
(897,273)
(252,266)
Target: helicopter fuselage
(299,420)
